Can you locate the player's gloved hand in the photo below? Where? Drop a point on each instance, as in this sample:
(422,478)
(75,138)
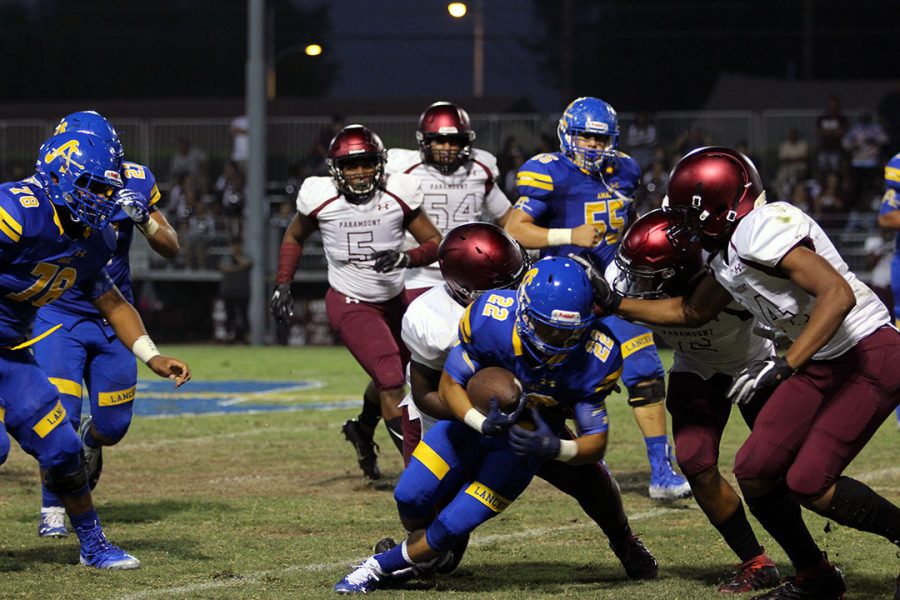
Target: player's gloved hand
(604,295)
(540,442)
(498,422)
(282,303)
(135,205)
(758,375)
(390,260)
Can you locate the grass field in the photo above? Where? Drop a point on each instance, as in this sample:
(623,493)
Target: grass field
(272,505)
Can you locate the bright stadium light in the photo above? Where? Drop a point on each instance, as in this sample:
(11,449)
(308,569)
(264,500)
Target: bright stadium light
(313,50)
(457,10)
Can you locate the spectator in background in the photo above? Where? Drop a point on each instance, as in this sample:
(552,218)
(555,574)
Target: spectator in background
(199,231)
(235,291)
(240,142)
(829,204)
(546,144)
(864,141)
(889,112)
(640,139)
(230,190)
(654,184)
(793,163)
(801,196)
(879,248)
(189,160)
(509,160)
(830,129)
(691,138)
(319,152)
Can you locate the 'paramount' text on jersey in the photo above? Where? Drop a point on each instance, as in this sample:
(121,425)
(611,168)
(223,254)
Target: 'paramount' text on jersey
(488,338)
(40,262)
(557,194)
(749,269)
(351,233)
(470,193)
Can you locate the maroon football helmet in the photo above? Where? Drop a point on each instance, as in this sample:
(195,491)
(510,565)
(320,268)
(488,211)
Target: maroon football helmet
(659,255)
(445,120)
(475,257)
(719,185)
(352,147)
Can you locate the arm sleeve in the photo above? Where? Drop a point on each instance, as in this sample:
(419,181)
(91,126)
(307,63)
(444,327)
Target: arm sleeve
(460,365)
(591,416)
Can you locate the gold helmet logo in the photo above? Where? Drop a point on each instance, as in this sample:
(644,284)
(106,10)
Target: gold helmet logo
(65,152)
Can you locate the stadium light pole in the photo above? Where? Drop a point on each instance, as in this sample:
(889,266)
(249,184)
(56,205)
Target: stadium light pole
(254,242)
(458,10)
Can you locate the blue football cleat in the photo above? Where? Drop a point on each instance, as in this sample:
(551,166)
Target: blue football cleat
(53,522)
(362,580)
(98,552)
(665,483)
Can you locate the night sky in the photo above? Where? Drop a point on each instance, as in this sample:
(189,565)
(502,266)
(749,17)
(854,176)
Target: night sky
(638,54)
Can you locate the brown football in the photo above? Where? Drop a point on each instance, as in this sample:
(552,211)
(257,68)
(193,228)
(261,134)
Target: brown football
(494,382)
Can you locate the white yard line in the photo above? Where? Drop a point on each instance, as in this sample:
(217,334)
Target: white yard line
(257,576)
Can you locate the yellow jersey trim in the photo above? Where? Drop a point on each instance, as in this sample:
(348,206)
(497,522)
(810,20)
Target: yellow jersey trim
(488,497)
(640,342)
(609,381)
(51,420)
(35,340)
(892,174)
(67,386)
(465,325)
(431,459)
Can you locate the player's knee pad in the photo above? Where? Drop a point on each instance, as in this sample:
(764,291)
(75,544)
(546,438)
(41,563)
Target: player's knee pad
(695,452)
(805,483)
(67,478)
(647,393)
(444,533)
(111,425)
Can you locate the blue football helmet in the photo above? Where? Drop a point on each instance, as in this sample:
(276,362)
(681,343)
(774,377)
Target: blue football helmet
(588,115)
(90,121)
(81,172)
(555,308)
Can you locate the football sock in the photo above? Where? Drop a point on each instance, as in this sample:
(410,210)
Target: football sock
(370,414)
(739,536)
(85,522)
(393,559)
(780,515)
(657,447)
(856,505)
(597,493)
(395,429)
(49,499)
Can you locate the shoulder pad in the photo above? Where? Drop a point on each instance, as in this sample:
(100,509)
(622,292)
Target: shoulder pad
(141,178)
(769,232)
(406,187)
(535,177)
(313,192)
(401,159)
(488,160)
(15,199)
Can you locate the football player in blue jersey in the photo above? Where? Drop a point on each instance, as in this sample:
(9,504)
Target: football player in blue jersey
(579,201)
(86,348)
(889,218)
(470,469)
(54,238)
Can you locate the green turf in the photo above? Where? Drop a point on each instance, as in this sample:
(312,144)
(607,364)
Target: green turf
(272,506)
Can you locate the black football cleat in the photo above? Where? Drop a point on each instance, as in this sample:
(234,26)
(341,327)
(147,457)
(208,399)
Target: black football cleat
(827,583)
(456,556)
(637,560)
(365,447)
(758,573)
(383,545)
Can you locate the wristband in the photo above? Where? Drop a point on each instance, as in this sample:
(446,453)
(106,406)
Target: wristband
(149,228)
(559,237)
(567,450)
(474,419)
(144,349)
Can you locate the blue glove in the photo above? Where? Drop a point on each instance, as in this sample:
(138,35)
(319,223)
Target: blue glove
(497,422)
(539,443)
(135,205)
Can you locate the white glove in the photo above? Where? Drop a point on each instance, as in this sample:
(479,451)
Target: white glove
(135,205)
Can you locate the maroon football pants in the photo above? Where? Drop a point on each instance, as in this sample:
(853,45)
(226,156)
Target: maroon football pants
(818,420)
